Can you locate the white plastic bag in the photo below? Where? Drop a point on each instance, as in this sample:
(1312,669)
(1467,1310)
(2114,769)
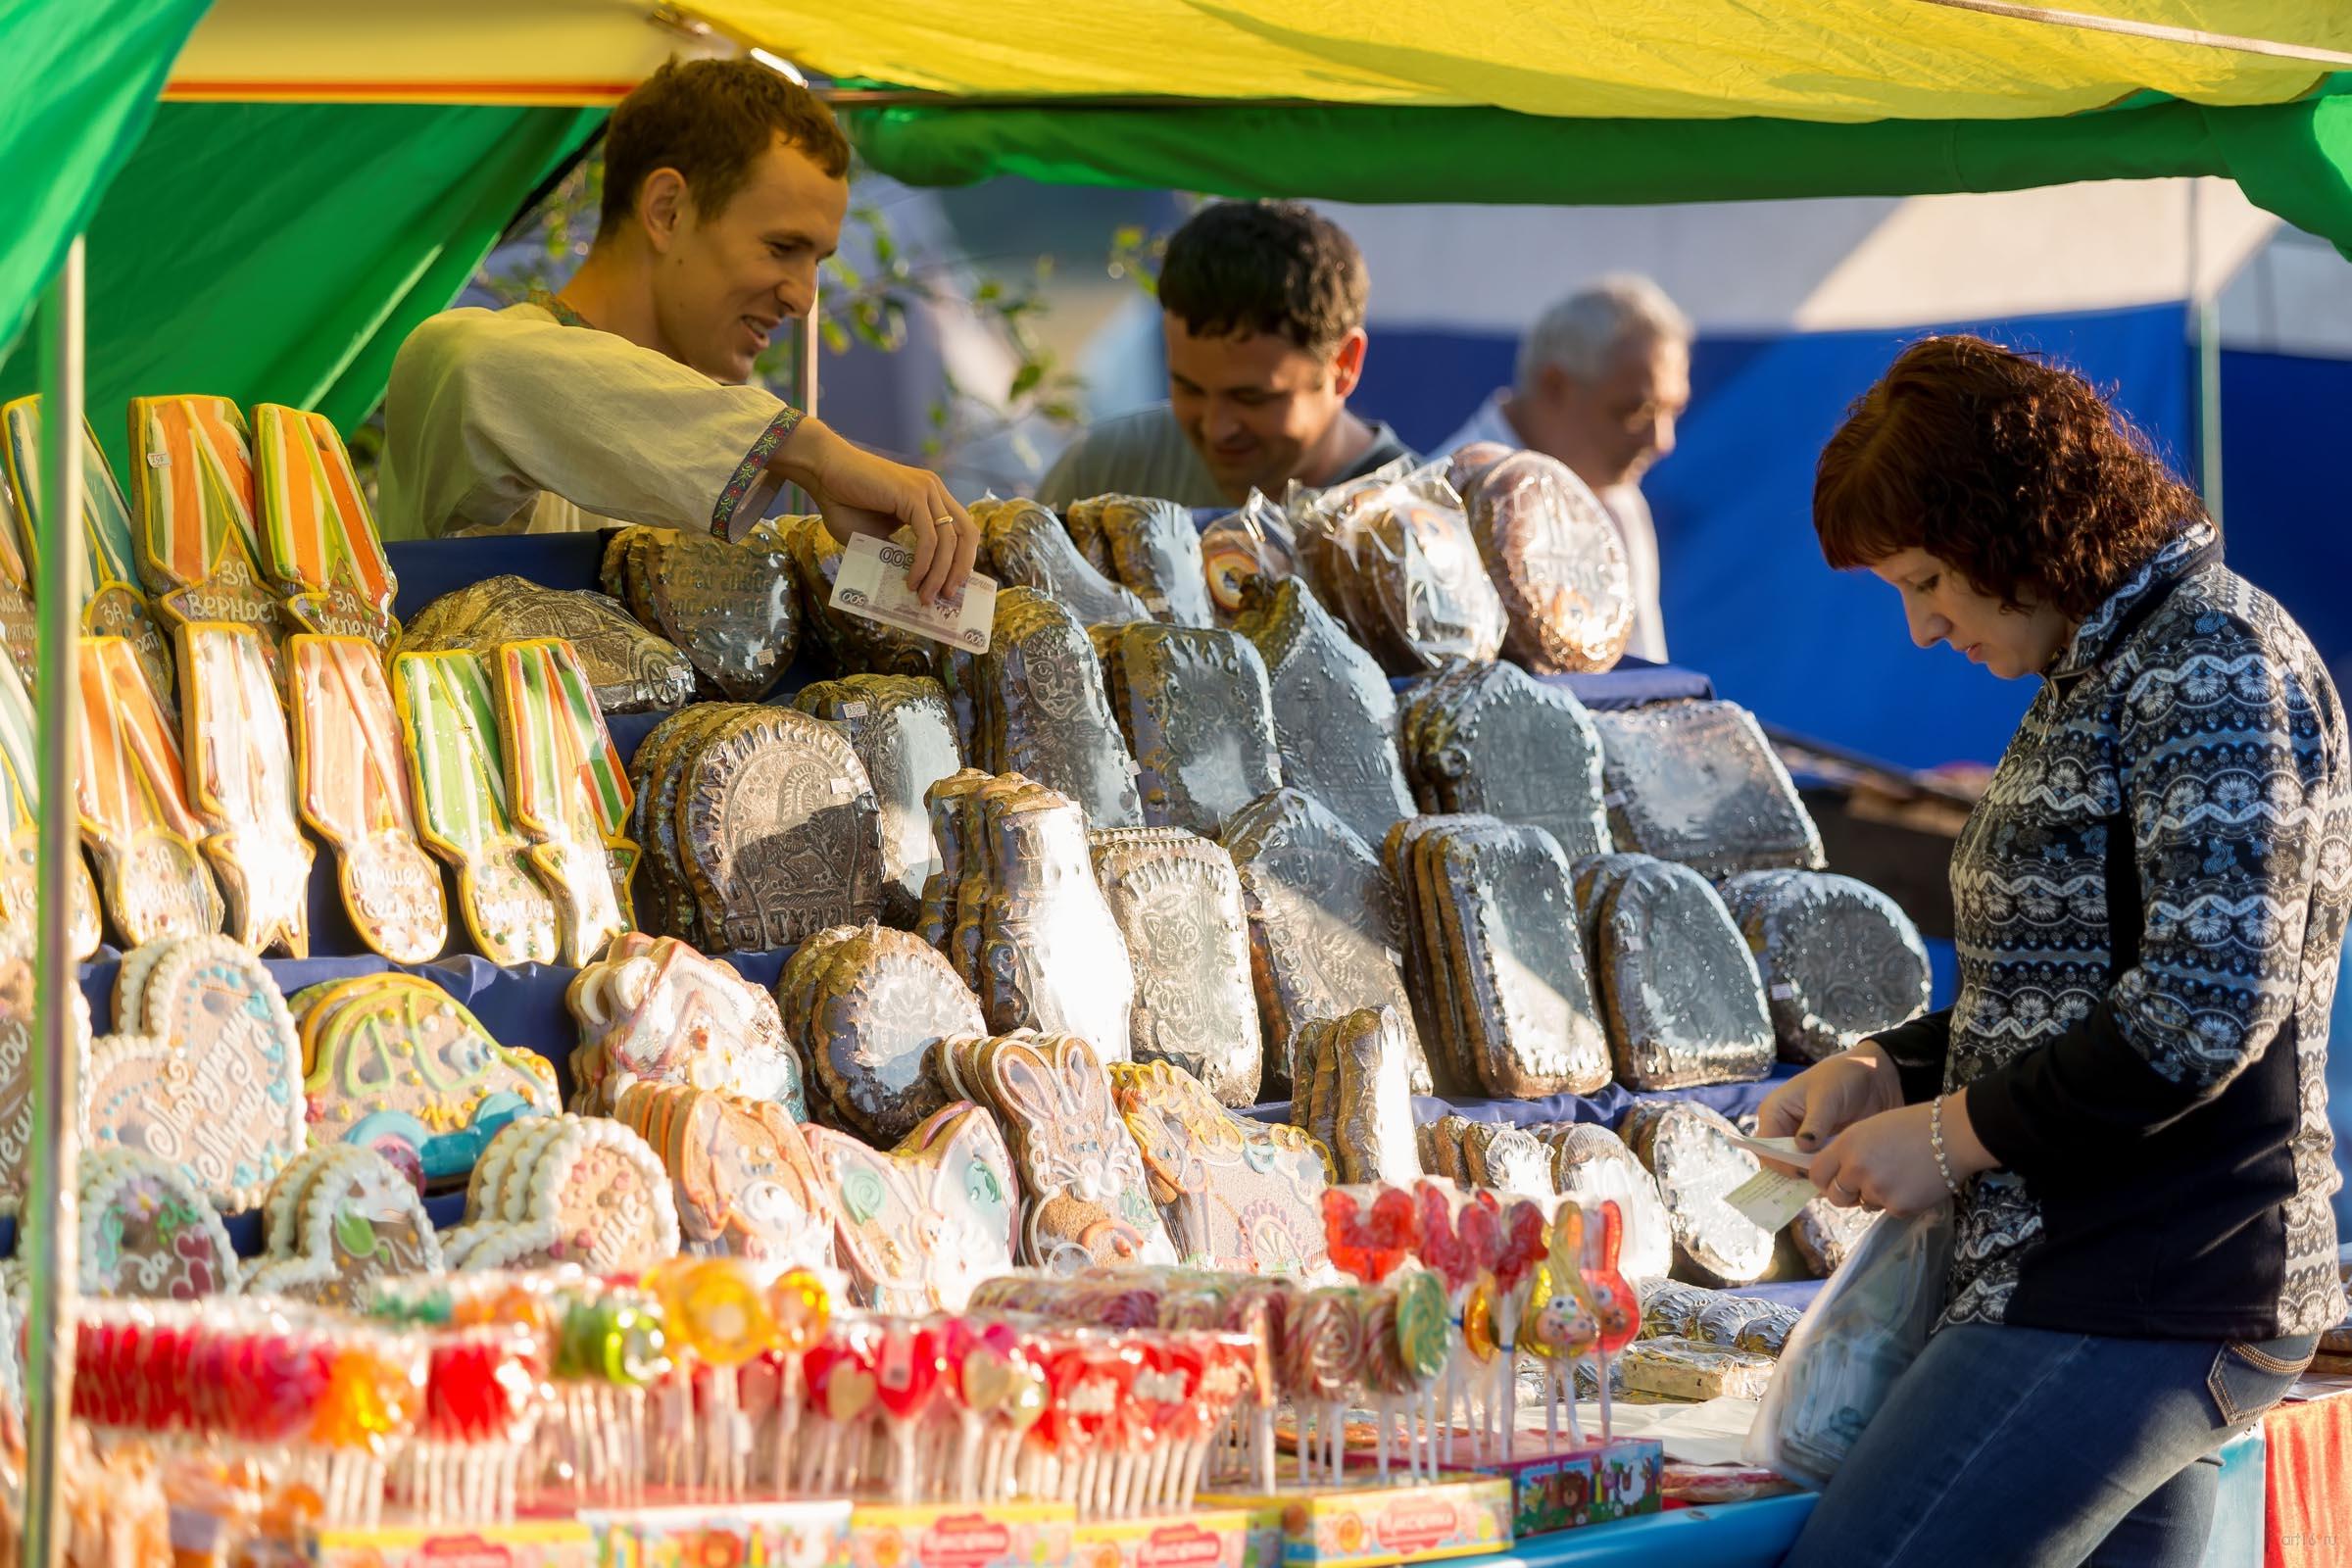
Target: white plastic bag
(1862,1332)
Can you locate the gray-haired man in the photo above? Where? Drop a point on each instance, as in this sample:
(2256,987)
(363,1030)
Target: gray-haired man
(1602,377)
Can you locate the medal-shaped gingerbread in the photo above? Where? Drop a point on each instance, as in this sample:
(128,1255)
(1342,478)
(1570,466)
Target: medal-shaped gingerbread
(319,544)
(19,825)
(352,781)
(394,1061)
(113,604)
(448,719)
(570,795)
(191,491)
(240,766)
(134,797)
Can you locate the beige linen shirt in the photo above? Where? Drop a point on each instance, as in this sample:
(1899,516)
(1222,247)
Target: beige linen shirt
(529,421)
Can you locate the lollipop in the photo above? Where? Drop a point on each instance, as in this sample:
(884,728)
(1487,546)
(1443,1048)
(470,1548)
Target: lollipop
(1606,1294)
(798,1308)
(1370,1230)
(1520,1251)
(906,1381)
(1556,1327)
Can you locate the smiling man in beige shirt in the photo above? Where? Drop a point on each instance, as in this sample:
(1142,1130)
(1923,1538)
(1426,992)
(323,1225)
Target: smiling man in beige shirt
(629,397)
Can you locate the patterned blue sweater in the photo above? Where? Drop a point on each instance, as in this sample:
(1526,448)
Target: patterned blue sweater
(2149,903)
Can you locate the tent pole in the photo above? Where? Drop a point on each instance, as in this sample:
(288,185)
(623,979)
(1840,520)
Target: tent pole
(50,1241)
(2205,322)
(803,357)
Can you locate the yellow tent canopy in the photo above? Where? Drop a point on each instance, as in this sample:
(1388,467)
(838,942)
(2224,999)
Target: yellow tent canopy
(1817,60)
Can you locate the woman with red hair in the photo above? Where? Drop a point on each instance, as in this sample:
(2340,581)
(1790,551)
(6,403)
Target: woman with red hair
(2126,1105)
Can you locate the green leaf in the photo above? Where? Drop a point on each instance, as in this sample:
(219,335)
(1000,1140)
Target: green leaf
(1026,378)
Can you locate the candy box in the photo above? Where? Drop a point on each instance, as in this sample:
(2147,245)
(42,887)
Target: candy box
(1590,1484)
(808,1534)
(1221,1539)
(1002,1535)
(1368,1523)
(524,1543)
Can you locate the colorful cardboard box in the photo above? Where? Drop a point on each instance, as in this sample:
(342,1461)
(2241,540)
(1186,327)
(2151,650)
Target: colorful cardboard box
(999,1535)
(1368,1524)
(1586,1486)
(525,1543)
(811,1533)
(1224,1538)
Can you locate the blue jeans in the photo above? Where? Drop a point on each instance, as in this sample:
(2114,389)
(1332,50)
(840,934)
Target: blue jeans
(2028,1448)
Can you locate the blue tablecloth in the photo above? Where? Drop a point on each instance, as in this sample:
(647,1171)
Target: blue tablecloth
(1608,1106)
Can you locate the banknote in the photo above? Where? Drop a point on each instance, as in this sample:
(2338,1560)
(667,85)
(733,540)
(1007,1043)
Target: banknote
(873,584)
(1771,1200)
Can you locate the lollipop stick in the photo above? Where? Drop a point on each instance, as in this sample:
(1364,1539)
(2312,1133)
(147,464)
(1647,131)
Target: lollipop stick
(1604,1398)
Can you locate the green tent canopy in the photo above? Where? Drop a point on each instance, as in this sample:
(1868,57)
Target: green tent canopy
(2294,158)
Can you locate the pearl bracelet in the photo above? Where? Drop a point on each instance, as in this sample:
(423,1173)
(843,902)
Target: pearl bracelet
(1936,1140)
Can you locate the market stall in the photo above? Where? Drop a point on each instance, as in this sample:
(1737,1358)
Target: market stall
(1294,1083)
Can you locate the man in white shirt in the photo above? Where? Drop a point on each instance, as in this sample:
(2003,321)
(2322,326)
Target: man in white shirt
(1602,377)
(626,397)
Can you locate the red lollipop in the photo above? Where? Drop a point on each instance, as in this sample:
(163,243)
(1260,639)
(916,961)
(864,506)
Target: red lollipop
(1481,1232)
(1369,1244)
(1608,1294)
(1440,1250)
(1523,1243)
(907,1372)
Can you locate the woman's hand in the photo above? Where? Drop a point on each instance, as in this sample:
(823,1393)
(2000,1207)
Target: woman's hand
(1829,1096)
(1888,1160)
(859,492)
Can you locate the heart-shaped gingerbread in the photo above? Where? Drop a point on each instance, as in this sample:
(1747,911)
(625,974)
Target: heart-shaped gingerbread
(17,1028)
(207,1072)
(147,1232)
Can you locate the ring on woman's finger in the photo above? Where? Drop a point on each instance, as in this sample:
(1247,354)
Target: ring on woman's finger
(1849,1194)
(942,523)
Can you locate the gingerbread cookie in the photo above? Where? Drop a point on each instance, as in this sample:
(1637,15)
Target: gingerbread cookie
(779,830)
(1556,558)
(903,733)
(1238,1195)
(1677,984)
(654,1009)
(740,1173)
(18,1042)
(133,795)
(569,794)
(578,1189)
(1592,1165)
(1026,546)
(19,825)
(340,1218)
(1088,1200)
(241,782)
(732,609)
(448,723)
(922,1226)
(352,781)
(1050,956)
(1199,717)
(1325,928)
(1699,783)
(1500,743)
(319,544)
(147,1232)
(882,1005)
(1154,550)
(192,490)
(1839,959)
(629,669)
(1177,903)
(206,1073)
(1374,1112)
(1045,713)
(1691,1152)
(394,1061)
(1335,717)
